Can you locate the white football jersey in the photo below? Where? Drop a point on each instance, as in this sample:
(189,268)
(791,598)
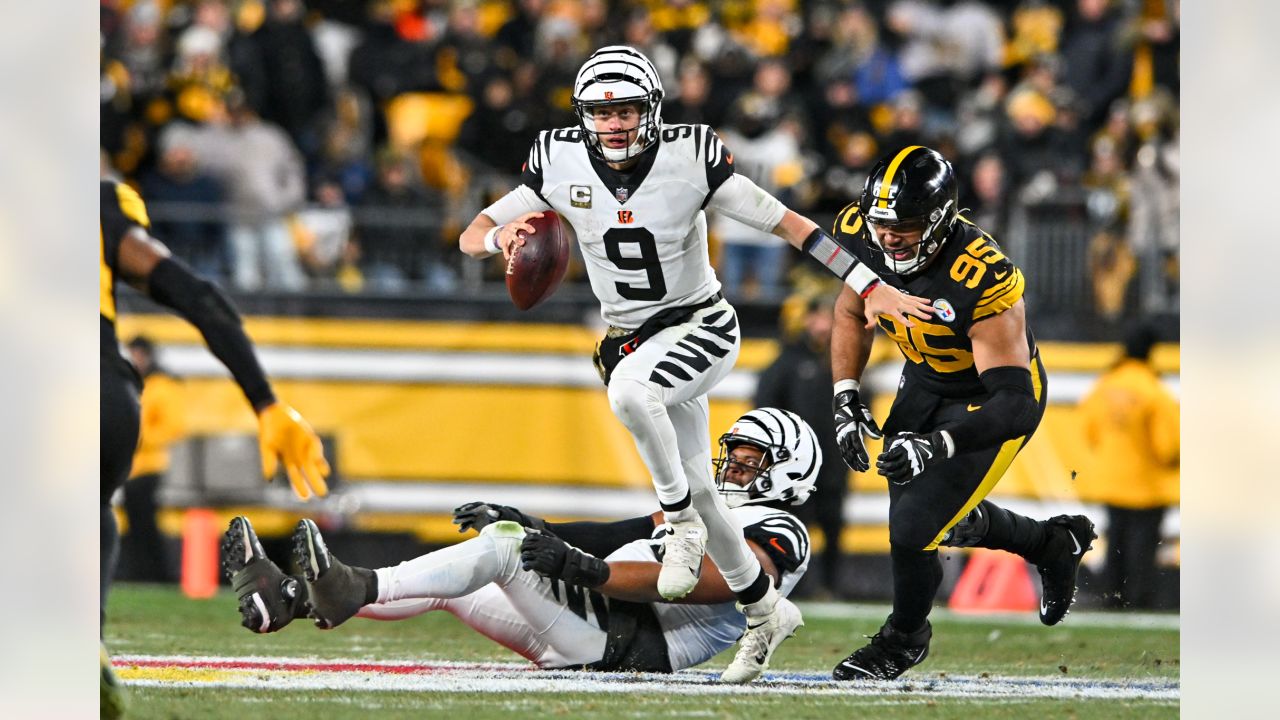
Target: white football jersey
(643,232)
(697,633)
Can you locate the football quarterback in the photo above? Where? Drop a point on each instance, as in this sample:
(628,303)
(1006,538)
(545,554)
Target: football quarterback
(971,394)
(635,192)
(514,582)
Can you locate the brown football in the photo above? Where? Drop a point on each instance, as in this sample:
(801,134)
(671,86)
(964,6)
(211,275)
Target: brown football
(536,268)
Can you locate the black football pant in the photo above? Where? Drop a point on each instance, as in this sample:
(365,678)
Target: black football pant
(118,419)
(924,512)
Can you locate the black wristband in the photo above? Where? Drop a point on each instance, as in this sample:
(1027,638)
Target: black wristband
(585,570)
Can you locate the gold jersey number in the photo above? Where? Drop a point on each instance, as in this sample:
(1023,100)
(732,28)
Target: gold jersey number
(916,346)
(970,267)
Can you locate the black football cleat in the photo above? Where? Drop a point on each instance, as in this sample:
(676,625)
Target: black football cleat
(1070,537)
(335,592)
(889,654)
(268,598)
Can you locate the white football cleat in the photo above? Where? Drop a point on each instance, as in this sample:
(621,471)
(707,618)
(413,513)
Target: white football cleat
(683,547)
(764,634)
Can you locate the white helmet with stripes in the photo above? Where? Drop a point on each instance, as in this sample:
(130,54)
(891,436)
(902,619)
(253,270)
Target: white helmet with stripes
(789,468)
(614,75)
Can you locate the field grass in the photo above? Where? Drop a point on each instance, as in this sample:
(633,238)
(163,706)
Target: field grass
(158,621)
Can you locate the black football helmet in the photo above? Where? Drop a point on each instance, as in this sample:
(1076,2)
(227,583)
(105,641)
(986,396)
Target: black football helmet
(912,189)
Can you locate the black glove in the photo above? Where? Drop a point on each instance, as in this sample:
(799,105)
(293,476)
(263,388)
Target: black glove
(909,454)
(480,515)
(853,420)
(551,557)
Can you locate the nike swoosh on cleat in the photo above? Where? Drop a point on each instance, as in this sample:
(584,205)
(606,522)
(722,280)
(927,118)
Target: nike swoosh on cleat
(1079,550)
(1043,608)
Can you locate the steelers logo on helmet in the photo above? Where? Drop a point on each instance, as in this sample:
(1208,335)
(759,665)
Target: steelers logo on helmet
(788,468)
(908,191)
(618,75)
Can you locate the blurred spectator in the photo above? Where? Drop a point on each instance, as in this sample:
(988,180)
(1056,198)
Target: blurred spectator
(1096,65)
(498,132)
(986,195)
(516,40)
(263,175)
(346,152)
(1131,426)
(186,210)
(906,123)
(1154,223)
(837,115)
(296,89)
(691,103)
(799,380)
(639,34)
(143,554)
(1033,148)
(769,154)
(980,116)
(398,226)
(945,48)
(466,49)
(322,231)
(843,180)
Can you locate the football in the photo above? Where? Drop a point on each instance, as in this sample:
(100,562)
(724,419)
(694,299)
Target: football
(535,269)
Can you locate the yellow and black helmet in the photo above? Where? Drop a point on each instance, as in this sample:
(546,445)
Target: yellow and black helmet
(908,190)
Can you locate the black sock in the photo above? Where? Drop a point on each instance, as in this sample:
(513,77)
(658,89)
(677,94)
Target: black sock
(916,576)
(1012,532)
(678,505)
(370,584)
(756,590)
(108,551)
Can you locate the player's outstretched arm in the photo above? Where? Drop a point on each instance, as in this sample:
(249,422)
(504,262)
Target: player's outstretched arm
(851,341)
(145,263)
(637,581)
(880,297)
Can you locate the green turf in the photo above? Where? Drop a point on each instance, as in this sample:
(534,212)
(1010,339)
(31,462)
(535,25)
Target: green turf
(158,620)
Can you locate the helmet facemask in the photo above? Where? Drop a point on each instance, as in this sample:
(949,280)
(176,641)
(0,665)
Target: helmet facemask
(646,131)
(760,482)
(617,75)
(934,230)
(911,190)
(788,465)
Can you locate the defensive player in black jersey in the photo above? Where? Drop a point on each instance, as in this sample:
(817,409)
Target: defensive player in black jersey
(129,253)
(971,394)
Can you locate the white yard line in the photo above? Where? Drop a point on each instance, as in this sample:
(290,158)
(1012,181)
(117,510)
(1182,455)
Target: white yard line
(285,674)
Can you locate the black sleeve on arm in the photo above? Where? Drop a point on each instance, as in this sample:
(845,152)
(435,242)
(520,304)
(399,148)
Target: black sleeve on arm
(1011,411)
(204,305)
(599,538)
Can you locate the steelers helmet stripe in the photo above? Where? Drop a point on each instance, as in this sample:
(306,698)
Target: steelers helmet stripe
(883,199)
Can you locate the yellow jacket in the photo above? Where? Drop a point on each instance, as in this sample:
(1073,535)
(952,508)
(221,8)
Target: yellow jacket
(163,423)
(1131,428)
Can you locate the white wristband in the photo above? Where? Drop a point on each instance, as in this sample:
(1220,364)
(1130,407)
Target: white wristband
(491,240)
(847,384)
(951,444)
(860,278)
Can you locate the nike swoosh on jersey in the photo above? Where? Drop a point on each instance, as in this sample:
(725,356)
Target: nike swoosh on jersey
(1000,276)
(972,408)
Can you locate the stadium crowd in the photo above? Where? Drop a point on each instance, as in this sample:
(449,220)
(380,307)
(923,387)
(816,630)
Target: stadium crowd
(339,145)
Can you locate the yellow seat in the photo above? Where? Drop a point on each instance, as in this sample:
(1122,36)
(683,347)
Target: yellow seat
(416,117)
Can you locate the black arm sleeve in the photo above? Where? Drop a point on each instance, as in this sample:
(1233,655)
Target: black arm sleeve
(1011,411)
(599,538)
(203,305)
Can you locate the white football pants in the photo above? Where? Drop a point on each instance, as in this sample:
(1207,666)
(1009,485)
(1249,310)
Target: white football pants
(659,392)
(480,582)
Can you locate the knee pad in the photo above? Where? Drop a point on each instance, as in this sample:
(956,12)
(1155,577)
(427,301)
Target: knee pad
(970,531)
(504,529)
(630,398)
